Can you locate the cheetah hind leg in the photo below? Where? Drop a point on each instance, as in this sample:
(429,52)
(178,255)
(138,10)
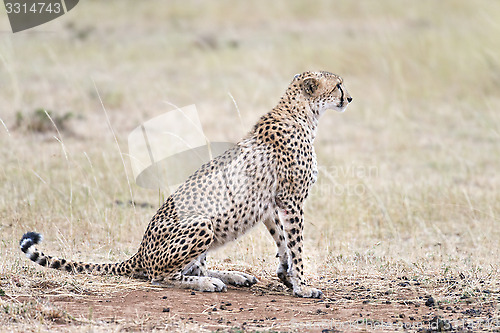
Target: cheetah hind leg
(234,278)
(178,269)
(239,279)
(200,283)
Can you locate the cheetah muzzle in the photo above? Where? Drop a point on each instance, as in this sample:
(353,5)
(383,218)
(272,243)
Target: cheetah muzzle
(265,178)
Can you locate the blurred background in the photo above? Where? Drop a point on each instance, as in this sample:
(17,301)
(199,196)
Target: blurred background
(408,174)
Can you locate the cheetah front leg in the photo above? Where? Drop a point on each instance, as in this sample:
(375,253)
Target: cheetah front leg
(292,219)
(275,228)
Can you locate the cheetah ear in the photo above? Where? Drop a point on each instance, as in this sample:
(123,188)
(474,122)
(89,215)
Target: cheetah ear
(310,85)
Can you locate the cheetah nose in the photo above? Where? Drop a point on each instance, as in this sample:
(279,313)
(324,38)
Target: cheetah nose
(349,99)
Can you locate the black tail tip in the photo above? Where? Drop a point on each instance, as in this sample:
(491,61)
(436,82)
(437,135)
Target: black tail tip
(29,239)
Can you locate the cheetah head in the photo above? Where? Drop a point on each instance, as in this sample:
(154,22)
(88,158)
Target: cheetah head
(323,91)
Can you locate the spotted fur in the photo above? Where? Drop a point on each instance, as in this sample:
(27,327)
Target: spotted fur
(265,178)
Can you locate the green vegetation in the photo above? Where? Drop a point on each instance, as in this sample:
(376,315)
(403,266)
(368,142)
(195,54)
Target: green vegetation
(42,120)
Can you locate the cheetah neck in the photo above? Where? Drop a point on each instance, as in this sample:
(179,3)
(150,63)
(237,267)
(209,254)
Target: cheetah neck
(296,108)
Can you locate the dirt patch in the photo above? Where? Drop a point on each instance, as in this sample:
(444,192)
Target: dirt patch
(347,307)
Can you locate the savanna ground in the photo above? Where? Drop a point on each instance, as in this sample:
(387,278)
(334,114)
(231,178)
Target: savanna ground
(402,227)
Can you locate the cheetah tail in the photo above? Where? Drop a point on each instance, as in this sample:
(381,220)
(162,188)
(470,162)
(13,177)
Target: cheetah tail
(30,239)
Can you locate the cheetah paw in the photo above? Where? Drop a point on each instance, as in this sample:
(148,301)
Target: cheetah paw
(234,278)
(307,292)
(208,284)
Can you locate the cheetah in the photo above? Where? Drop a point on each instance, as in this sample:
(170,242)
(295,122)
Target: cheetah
(265,178)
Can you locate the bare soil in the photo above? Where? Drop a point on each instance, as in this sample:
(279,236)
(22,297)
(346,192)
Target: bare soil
(267,306)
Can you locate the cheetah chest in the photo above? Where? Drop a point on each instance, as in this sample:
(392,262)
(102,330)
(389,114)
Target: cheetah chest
(314,167)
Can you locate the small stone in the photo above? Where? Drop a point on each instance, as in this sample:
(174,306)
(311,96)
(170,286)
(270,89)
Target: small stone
(223,307)
(166,310)
(193,293)
(164,297)
(401,315)
(430,301)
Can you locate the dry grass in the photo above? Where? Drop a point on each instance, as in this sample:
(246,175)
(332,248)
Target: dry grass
(409,182)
